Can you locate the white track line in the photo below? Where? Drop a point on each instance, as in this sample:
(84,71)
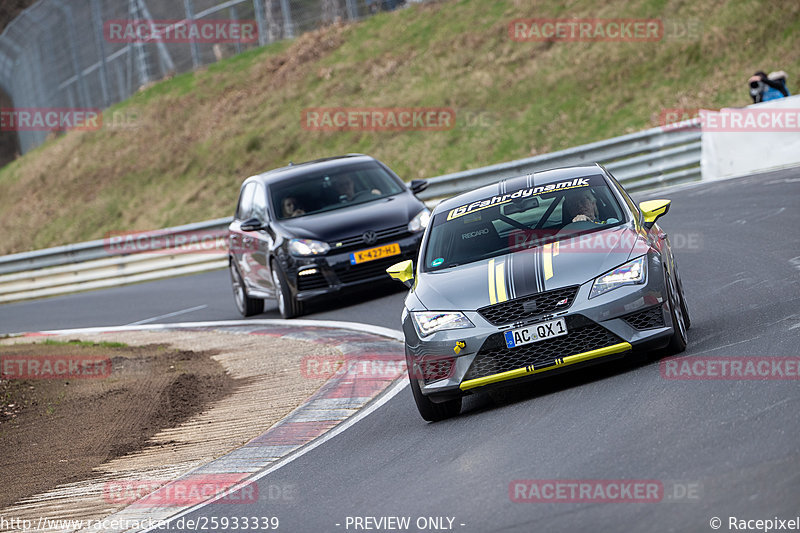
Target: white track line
(355,326)
(159,317)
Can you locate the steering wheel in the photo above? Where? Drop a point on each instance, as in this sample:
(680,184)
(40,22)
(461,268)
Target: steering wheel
(362,193)
(578,226)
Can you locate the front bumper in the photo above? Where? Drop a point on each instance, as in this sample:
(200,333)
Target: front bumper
(333,272)
(607,326)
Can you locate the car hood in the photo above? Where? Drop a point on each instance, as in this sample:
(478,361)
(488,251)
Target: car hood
(562,264)
(352,221)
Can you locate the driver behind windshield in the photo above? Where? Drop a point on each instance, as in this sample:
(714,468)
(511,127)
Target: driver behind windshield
(581,206)
(346,189)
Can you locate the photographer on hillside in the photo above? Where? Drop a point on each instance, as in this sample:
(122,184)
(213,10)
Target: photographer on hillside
(764,88)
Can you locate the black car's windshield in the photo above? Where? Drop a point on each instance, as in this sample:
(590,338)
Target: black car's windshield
(520,220)
(342,187)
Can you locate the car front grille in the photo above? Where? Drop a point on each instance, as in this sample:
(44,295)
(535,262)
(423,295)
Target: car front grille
(357,242)
(584,335)
(650,318)
(529,306)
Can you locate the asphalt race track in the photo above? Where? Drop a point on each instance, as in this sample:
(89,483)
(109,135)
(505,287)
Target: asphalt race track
(720,448)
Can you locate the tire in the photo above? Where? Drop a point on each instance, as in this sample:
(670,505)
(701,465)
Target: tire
(288,306)
(677,342)
(684,309)
(244,304)
(432,411)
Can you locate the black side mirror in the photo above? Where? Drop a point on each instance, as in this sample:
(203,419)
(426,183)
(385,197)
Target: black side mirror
(252,224)
(417,186)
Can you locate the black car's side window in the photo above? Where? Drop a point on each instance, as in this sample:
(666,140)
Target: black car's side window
(259,204)
(245,208)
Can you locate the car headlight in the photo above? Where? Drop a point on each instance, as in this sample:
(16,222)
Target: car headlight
(631,273)
(305,247)
(420,221)
(428,322)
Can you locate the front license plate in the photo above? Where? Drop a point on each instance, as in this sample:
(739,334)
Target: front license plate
(379,252)
(535,333)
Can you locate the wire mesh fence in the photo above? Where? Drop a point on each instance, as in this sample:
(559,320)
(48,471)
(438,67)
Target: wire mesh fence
(90,54)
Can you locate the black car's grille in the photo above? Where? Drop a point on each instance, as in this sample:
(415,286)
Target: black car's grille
(358,240)
(312,281)
(529,306)
(584,335)
(370,269)
(648,319)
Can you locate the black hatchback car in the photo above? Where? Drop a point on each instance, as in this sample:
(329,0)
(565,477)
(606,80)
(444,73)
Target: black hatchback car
(318,228)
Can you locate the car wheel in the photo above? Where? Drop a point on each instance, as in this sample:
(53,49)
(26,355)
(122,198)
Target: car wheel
(432,411)
(288,306)
(677,342)
(244,304)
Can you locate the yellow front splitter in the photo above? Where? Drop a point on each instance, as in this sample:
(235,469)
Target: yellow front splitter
(560,363)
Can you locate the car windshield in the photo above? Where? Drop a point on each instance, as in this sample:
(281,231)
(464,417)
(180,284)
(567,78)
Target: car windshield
(520,220)
(342,187)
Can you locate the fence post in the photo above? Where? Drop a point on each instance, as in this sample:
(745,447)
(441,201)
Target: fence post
(258,7)
(288,30)
(166,59)
(232,14)
(352,9)
(187,7)
(83,93)
(99,39)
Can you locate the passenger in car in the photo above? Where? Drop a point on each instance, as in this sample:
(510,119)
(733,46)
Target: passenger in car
(290,208)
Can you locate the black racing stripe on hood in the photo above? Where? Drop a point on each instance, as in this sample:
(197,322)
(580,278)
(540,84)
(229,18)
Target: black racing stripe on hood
(524,269)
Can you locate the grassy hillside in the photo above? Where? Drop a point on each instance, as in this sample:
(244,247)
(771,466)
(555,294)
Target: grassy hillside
(189,141)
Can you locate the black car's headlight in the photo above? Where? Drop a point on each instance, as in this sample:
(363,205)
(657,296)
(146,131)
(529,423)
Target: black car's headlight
(306,247)
(428,322)
(420,221)
(631,273)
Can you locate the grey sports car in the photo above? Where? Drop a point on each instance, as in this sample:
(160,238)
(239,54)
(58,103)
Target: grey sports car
(535,275)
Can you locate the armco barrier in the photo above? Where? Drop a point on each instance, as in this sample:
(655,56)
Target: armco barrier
(641,160)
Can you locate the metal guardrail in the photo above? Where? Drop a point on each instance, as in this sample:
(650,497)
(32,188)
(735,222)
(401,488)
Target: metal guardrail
(641,160)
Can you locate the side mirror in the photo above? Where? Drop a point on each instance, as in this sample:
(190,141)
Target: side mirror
(402,272)
(417,186)
(653,210)
(252,224)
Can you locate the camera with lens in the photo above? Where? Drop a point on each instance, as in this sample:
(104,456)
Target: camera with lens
(756,89)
